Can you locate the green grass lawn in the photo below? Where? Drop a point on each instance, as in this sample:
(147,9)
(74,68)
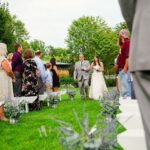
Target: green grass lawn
(25,135)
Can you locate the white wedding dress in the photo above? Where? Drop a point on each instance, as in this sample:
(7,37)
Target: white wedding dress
(98,85)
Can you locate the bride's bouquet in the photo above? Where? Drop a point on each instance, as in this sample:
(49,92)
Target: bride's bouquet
(97,68)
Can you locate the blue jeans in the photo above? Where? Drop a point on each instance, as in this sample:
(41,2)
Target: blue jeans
(125,84)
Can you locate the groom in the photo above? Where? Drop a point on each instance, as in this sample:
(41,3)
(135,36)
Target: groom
(81,74)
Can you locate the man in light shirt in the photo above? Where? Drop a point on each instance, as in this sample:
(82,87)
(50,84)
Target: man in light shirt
(42,71)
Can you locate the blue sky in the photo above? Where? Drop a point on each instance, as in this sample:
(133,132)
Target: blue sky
(48,20)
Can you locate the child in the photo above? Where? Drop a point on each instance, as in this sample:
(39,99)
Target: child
(49,80)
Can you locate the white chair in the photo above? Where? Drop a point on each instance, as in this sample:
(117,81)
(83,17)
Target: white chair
(27,100)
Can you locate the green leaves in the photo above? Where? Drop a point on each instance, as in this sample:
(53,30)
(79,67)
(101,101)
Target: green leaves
(12,30)
(92,36)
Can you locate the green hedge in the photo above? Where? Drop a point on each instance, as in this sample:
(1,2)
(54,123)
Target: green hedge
(110,82)
(68,80)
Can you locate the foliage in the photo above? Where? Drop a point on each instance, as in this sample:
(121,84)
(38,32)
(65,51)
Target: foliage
(6,26)
(110,82)
(12,30)
(29,124)
(20,31)
(38,45)
(110,104)
(102,135)
(61,54)
(120,26)
(68,80)
(71,94)
(53,98)
(92,36)
(14,108)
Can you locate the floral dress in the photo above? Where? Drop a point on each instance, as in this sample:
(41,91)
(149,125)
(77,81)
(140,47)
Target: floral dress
(30,79)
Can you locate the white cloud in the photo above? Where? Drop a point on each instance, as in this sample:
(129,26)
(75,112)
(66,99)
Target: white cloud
(48,20)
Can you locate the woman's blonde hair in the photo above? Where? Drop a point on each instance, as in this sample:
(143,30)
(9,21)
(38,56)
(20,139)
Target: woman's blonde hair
(9,56)
(3,49)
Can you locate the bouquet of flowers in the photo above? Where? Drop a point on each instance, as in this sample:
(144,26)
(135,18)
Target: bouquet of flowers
(14,109)
(71,94)
(97,68)
(53,98)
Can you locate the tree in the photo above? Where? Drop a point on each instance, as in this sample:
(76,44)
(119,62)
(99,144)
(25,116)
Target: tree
(62,55)
(38,45)
(12,30)
(20,31)
(6,26)
(92,36)
(119,27)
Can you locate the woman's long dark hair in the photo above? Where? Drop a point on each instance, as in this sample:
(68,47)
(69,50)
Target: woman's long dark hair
(53,62)
(99,61)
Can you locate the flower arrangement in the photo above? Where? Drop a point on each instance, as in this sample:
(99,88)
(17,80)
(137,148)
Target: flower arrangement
(70,90)
(110,104)
(71,94)
(53,98)
(14,109)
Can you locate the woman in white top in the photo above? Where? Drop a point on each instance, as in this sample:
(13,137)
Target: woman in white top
(98,85)
(6,76)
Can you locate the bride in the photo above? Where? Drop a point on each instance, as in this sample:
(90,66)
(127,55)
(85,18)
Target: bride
(98,85)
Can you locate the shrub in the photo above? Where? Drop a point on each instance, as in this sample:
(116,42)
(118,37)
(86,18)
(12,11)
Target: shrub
(63,73)
(110,82)
(68,80)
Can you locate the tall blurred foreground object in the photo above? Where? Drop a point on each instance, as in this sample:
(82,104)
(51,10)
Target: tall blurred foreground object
(136,14)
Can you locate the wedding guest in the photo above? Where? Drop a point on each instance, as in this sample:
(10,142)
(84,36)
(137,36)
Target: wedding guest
(42,72)
(6,77)
(81,74)
(30,75)
(55,73)
(98,85)
(17,69)
(122,62)
(49,80)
